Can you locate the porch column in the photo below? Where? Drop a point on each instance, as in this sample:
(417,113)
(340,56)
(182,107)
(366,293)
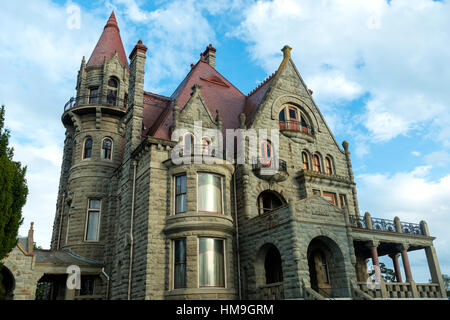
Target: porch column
(433,264)
(374,253)
(435,270)
(406,265)
(398,274)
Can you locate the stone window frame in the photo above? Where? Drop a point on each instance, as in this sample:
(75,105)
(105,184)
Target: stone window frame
(112,148)
(225,279)
(330,159)
(87,219)
(345,202)
(94,97)
(113,89)
(333,195)
(319,157)
(174,211)
(84,148)
(221,192)
(308,157)
(174,287)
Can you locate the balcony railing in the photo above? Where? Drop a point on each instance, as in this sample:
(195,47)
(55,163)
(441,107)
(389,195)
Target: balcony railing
(385,225)
(269,164)
(296,126)
(109,100)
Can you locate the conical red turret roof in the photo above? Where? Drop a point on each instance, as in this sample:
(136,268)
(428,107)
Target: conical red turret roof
(108,44)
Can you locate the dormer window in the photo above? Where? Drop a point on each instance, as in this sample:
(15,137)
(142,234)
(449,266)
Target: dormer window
(292,118)
(111,96)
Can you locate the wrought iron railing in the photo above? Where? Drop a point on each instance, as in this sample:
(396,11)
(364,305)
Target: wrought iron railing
(269,163)
(109,100)
(299,126)
(385,225)
(411,228)
(357,221)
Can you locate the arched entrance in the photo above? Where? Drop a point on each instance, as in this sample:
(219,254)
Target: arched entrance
(7,284)
(269,272)
(327,268)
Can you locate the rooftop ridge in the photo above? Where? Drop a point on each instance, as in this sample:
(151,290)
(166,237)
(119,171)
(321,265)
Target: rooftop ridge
(261,84)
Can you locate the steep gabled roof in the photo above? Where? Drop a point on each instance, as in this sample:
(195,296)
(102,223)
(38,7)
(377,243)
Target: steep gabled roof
(255,97)
(217,92)
(109,43)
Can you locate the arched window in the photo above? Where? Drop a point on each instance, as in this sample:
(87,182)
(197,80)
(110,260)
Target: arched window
(305,160)
(111,96)
(266,154)
(188,144)
(205,146)
(328,166)
(316,162)
(269,201)
(292,118)
(87,149)
(107,148)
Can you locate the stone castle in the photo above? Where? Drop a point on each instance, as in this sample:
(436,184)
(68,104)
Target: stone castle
(138,225)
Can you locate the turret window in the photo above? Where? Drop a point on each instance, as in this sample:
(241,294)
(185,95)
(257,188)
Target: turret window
(93,95)
(87,149)
(111,96)
(93,220)
(107,145)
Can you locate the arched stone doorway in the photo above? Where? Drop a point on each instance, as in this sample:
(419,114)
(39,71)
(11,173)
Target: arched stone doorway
(269,272)
(7,284)
(327,268)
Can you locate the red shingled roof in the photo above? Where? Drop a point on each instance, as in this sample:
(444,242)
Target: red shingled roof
(109,43)
(217,92)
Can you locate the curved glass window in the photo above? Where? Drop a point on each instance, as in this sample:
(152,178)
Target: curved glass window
(211,262)
(209,193)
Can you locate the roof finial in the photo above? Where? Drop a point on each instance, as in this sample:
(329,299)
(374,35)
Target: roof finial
(286,51)
(112,22)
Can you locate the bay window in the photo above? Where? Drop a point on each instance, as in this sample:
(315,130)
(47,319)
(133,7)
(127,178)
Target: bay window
(209,193)
(180,194)
(211,262)
(180,263)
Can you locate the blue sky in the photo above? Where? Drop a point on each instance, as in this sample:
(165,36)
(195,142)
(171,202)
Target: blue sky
(379,71)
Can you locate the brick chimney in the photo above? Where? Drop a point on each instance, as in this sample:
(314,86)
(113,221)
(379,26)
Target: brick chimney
(210,55)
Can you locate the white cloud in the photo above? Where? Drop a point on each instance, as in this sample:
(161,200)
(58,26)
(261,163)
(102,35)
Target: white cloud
(397,52)
(438,158)
(39,60)
(416,153)
(412,196)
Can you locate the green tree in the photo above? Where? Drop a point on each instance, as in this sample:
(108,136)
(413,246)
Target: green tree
(387,274)
(13,191)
